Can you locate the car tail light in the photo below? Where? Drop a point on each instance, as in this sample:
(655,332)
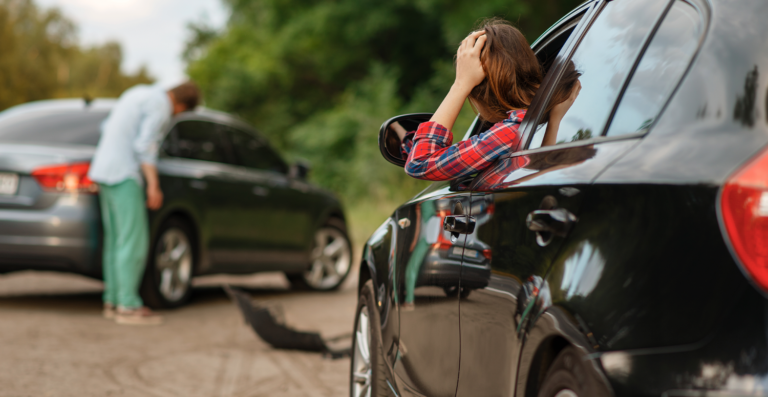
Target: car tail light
(744,207)
(65,178)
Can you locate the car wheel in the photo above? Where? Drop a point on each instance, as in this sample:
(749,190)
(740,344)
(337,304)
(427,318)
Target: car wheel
(366,377)
(168,278)
(331,259)
(452,291)
(571,376)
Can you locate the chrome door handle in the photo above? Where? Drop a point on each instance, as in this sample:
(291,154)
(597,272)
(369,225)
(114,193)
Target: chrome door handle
(550,223)
(198,184)
(260,191)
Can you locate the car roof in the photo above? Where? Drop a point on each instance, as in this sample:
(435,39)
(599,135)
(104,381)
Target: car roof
(106,104)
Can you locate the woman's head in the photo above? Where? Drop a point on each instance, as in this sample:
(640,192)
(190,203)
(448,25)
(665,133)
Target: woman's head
(513,73)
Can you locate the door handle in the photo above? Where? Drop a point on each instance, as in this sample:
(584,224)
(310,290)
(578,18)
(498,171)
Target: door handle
(459,224)
(550,223)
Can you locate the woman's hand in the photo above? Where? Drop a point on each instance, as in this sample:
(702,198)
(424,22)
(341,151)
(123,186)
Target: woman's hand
(469,69)
(559,111)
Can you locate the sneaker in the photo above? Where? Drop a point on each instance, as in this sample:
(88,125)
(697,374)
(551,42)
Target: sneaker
(109,311)
(408,307)
(137,316)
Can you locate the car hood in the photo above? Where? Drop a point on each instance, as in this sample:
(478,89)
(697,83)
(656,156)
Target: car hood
(24,158)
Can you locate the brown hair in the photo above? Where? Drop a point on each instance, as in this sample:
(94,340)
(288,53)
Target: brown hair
(513,73)
(187,93)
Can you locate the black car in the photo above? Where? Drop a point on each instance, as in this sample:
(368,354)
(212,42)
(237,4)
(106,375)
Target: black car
(629,259)
(232,204)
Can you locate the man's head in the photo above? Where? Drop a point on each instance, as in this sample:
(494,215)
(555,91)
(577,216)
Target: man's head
(184,97)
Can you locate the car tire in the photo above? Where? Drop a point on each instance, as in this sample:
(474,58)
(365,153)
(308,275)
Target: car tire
(367,369)
(570,375)
(453,291)
(167,279)
(331,259)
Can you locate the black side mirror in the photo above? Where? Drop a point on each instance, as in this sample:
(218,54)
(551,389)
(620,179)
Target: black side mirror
(389,141)
(299,170)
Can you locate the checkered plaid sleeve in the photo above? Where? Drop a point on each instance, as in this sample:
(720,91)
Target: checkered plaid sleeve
(432,157)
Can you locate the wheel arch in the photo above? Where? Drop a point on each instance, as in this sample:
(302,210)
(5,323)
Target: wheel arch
(542,360)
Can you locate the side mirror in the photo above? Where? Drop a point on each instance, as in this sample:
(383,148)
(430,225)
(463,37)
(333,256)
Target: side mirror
(299,170)
(389,141)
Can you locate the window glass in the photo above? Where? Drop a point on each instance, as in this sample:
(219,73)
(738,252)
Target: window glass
(72,126)
(197,140)
(254,152)
(662,66)
(604,58)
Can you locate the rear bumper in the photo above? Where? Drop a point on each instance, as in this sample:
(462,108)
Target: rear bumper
(64,236)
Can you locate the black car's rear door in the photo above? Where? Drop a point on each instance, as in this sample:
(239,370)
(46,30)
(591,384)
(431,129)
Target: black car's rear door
(531,199)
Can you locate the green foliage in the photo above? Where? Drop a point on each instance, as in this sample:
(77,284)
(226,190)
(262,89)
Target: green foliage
(318,77)
(41,58)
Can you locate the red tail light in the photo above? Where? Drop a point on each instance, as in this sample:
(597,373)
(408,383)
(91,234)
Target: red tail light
(744,206)
(65,178)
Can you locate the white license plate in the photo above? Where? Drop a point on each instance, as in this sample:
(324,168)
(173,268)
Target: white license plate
(467,252)
(8,183)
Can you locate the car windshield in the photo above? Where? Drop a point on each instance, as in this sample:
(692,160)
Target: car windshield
(70,126)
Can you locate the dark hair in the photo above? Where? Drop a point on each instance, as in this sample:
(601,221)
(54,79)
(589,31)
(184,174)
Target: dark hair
(187,93)
(513,73)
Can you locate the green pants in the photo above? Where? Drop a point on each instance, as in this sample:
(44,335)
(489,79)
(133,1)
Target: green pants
(126,241)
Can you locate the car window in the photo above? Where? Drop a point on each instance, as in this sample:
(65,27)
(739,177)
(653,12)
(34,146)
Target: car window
(604,58)
(659,71)
(81,127)
(546,49)
(254,152)
(196,140)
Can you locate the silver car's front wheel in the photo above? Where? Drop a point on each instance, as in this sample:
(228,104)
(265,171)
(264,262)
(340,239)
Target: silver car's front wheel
(331,259)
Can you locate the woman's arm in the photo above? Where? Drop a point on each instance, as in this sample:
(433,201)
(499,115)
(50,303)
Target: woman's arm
(469,73)
(557,114)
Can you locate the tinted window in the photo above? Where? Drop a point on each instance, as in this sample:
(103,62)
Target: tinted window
(197,140)
(254,152)
(662,66)
(605,57)
(74,127)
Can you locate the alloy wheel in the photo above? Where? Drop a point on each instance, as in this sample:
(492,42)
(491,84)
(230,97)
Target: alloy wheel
(361,358)
(173,262)
(331,259)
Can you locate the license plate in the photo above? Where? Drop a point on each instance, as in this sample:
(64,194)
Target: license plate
(467,252)
(8,183)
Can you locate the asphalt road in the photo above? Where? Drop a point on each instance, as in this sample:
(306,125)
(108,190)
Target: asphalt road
(54,342)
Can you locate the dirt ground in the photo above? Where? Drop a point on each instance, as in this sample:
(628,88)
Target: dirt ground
(55,342)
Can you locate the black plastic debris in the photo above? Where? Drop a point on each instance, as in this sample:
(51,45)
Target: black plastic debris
(277,334)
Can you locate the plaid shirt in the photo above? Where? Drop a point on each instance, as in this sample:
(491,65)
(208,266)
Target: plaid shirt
(432,157)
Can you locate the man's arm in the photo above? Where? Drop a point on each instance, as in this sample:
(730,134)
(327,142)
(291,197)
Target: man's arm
(154,194)
(146,147)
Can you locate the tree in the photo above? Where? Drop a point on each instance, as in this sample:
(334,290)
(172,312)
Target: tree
(319,76)
(42,59)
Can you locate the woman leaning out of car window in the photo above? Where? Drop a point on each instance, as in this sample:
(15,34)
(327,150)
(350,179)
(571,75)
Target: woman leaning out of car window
(499,73)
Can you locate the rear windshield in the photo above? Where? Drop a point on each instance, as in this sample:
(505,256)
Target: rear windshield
(80,127)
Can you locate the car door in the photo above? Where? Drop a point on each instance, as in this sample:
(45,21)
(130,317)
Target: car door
(198,164)
(428,271)
(529,201)
(277,213)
